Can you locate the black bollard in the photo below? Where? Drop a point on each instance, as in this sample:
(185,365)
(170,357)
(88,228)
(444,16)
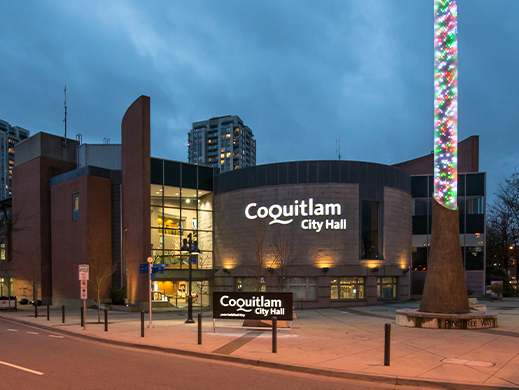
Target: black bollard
(274,334)
(35,310)
(63,313)
(199,328)
(48,312)
(387,344)
(142,323)
(82,317)
(106,319)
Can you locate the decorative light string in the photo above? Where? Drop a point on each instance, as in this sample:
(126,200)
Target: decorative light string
(446,103)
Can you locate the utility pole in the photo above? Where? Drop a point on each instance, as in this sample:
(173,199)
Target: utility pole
(65,120)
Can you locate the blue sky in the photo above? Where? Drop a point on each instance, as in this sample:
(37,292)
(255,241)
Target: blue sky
(301,74)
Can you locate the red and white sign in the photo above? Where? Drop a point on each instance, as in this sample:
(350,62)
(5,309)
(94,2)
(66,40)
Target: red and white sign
(84,290)
(83,271)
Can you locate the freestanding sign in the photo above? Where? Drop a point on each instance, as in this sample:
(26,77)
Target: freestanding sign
(253,305)
(83,277)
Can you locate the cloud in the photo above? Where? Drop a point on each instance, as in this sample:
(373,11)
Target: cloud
(301,74)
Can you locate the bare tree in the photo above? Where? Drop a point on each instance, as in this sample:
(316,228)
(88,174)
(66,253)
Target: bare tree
(285,252)
(101,269)
(29,274)
(256,254)
(503,223)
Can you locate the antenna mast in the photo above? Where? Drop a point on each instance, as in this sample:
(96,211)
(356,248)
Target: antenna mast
(65,120)
(338,147)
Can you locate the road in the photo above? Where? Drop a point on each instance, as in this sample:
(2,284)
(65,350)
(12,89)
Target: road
(32,358)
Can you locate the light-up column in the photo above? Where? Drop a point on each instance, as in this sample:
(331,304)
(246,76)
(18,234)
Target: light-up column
(446,103)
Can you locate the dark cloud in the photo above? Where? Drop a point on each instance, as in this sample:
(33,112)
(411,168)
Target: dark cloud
(300,73)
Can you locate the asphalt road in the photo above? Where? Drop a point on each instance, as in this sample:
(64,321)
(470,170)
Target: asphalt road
(32,358)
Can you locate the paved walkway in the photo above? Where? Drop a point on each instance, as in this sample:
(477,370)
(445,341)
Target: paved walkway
(347,342)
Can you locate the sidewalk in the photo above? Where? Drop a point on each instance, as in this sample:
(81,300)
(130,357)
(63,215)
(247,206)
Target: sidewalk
(347,343)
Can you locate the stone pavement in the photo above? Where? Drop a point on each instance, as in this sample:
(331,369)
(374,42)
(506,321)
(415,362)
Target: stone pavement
(346,342)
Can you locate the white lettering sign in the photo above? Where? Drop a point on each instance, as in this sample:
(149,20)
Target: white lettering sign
(283,214)
(246,305)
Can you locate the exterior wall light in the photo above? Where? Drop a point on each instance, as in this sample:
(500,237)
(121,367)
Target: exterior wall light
(270,270)
(374,269)
(326,269)
(405,271)
(227,270)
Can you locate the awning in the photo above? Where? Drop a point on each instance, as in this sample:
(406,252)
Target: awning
(183,274)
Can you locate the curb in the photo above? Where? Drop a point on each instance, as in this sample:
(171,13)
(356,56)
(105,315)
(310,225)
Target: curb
(392,380)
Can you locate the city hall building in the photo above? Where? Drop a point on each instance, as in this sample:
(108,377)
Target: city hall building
(335,233)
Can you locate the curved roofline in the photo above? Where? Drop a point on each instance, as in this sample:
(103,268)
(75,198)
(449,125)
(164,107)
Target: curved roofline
(313,172)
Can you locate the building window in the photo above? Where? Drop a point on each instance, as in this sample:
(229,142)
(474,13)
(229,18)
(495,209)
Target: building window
(75,207)
(474,260)
(351,287)
(369,248)
(250,284)
(386,287)
(2,252)
(301,287)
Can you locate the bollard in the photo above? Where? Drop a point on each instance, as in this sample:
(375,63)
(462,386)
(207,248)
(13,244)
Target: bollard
(142,323)
(199,328)
(48,312)
(63,313)
(106,319)
(387,345)
(82,318)
(35,310)
(274,334)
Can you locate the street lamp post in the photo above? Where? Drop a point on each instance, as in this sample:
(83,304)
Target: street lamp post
(192,249)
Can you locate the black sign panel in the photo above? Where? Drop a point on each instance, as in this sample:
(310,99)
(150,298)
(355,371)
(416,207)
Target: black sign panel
(252,305)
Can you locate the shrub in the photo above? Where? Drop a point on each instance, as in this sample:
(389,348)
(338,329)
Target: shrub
(117,295)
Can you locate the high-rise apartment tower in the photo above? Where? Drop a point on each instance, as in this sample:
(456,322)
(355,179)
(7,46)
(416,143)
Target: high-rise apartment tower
(223,142)
(9,136)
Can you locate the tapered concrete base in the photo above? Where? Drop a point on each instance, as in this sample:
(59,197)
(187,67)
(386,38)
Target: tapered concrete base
(445,289)
(416,319)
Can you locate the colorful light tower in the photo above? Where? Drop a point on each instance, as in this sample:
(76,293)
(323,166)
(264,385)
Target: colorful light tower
(446,103)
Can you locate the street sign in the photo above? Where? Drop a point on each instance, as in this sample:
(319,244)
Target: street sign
(155,269)
(83,271)
(144,268)
(84,290)
(158,268)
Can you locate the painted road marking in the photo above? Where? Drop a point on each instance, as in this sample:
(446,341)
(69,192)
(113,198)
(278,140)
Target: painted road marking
(12,330)
(32,332)
(21,368)
(56,337)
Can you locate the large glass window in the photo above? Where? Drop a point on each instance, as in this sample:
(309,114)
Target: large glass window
(369,248)
(351,287)
(420,206)
(177,211)
(301,287)
(420,258)
(386,287)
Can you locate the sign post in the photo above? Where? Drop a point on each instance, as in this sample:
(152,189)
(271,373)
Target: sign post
(83,278)
(150,262)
